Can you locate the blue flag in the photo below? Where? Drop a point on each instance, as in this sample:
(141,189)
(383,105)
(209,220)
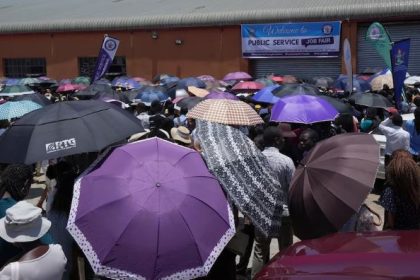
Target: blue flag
(105,57)
(399,62)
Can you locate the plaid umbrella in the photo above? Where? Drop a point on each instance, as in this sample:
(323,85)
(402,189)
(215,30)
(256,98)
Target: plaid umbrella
(16,109)
(378,82)
(225,111)
(247,86)
(244,173)
(236,76)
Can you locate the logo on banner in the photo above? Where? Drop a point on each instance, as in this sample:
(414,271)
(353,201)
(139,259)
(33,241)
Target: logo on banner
(375,33)
(110,45)
(327,29)
(60,145)
(399,57)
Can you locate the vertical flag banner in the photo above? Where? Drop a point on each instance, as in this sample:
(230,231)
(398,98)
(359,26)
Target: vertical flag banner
(380,39)
(106,55)
(347,62)
(399,60)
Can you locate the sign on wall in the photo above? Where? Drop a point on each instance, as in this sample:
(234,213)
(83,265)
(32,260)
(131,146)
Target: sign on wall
(304,39)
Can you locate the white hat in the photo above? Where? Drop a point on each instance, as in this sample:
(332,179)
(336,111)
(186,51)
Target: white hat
(23,223)
(181,134)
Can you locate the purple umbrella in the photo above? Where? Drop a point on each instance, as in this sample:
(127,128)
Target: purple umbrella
(305,109)
(235,76)
(150,210)
(218,94)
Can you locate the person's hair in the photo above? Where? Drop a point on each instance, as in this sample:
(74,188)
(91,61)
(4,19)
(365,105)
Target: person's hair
(416,101)
(417,119)
(16,179)
(183,111)
(371,112)
(259,141)
(4,123)
(403,174)
(65,177)
(271,135)
(397,120)
(155,107)
(345,121)
(313,135)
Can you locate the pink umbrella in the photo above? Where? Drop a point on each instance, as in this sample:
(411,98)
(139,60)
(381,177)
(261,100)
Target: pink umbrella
(237,76)
(68,88)
(247,86)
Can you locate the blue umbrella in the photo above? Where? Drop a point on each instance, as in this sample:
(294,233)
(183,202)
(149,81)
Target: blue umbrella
(191,81)
(12,82)
(126,82)
(16,109)
(149,94)
(358,84)
(265,95)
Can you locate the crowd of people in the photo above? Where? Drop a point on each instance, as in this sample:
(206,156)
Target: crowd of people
(34,241)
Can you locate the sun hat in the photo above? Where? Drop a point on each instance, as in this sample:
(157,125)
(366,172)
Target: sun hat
(181,134)
(138,136)
(23,223)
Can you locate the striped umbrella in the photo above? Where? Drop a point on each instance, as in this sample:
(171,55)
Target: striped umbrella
(225,111)
(16,109)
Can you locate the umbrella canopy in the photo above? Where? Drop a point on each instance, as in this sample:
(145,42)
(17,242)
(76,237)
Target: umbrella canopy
(94,89)
(266,82)
(15,90)
(338,104)
(218,94)
(67,88)
(225,111)
(12,82)
(331,183)
(28,81)
(64,82)
(305,109)
(237,76)
(378,82)
(102,81)
(35,97)
(207,78)
(127,83)
(16,109)
(244,173)
(412,80)
(323,82)
(111,95)
(82,80)
(247,86)
(295,89)
(189,102)
(148,94)
(265,95)
(371,100)
(191,81)
(157,212)
(358,84)
(66,128)
(130,95)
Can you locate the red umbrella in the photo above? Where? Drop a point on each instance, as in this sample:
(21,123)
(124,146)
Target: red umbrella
(331,183)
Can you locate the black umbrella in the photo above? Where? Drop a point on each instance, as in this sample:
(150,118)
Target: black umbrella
(93,90)
(295,89)
(66,128)
(189,102)
(111,95)
(338,104)
(373,100)
(35,97)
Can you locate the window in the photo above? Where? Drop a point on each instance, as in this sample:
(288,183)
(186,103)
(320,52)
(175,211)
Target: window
(87,66)
(25,67)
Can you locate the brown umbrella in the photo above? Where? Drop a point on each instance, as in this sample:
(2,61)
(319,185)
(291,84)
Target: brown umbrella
(331,184)
(225,111)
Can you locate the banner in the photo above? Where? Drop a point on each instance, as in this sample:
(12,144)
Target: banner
(347,62)
(380,39)
(399,62)
(105,57)
(291,39)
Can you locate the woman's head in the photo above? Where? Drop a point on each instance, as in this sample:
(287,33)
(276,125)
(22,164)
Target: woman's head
(404,175)
(16,180)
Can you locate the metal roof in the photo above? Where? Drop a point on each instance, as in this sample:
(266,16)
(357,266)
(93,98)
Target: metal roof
(17,16)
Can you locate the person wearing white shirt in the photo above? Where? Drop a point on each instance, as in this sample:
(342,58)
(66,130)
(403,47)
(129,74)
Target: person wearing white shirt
(396,136)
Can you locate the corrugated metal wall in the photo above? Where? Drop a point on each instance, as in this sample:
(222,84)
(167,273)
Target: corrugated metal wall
(304,68)
(368,58)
